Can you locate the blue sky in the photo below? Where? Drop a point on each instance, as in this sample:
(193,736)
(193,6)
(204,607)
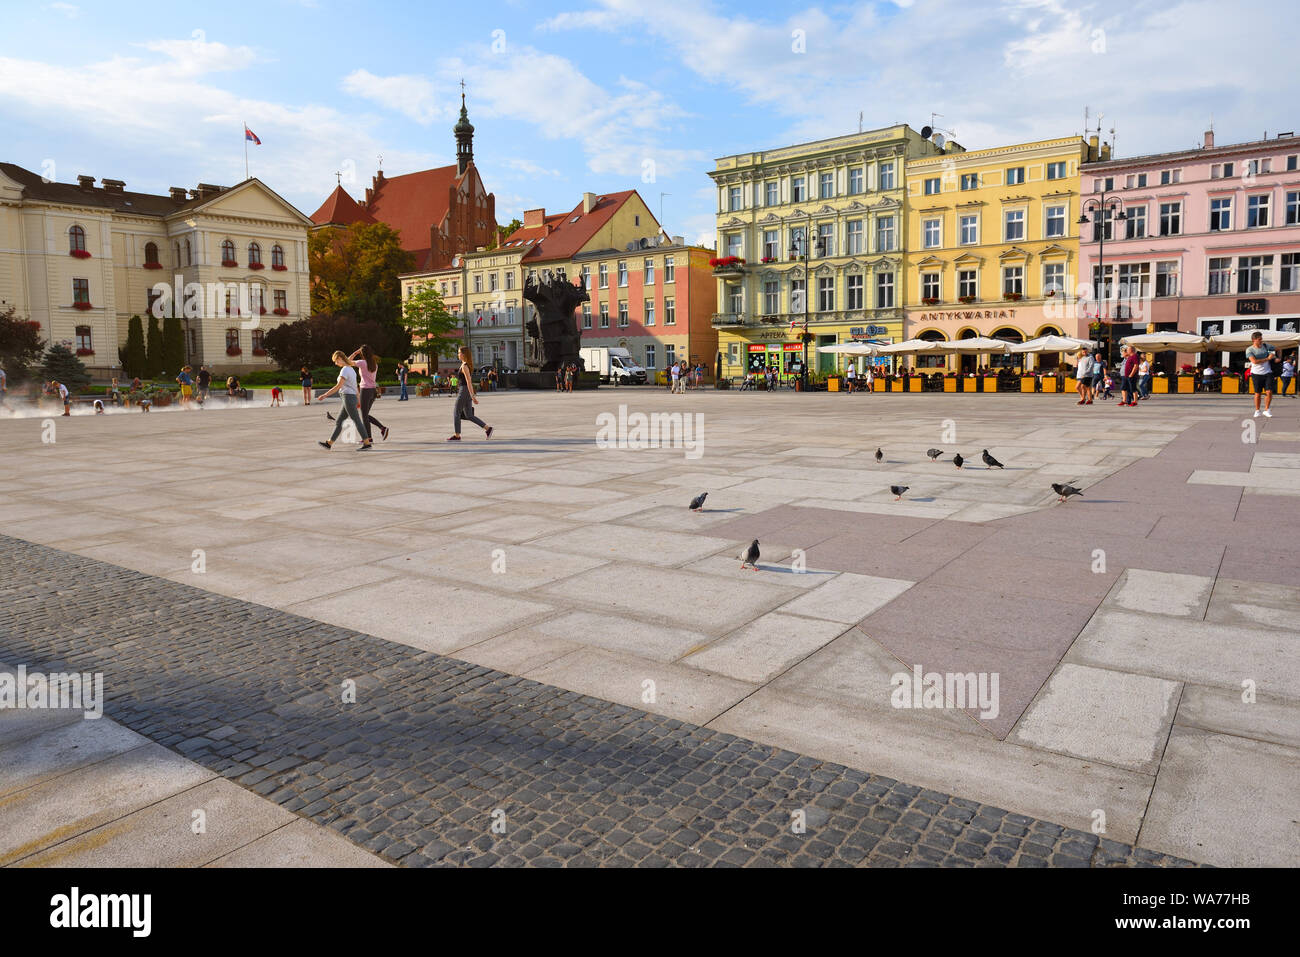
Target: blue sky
(607,94)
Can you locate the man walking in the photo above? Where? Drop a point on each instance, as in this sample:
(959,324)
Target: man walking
(401,378)
(1288,375)
(1083,379)
(204,383)
(1261,359)
(1128,377)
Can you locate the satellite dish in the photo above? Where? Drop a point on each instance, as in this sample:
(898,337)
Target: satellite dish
(925,132)
(939,140)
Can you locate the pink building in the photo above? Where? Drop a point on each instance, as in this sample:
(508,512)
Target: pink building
(1209,242)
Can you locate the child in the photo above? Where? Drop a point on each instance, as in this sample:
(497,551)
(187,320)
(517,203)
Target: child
(99,406)
(1110,384)
(144,404)
(277,397)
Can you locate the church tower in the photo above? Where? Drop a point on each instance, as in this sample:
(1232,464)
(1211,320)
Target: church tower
(464,130)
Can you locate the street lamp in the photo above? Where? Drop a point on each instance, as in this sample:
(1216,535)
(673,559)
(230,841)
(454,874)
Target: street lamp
(801,254)
(1099,207)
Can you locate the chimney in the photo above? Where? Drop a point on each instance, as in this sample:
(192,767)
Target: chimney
(1209,139)
(534,217)
(379,179)
(1105,152)
(194,194)
(113,185)
(207,189)
(1093,151)
(370,194)
(679,240)
(588,202)
(177,194)
(86,182)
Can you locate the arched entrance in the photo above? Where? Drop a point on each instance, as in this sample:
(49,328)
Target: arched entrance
(1008,334)
(1048,361)
(930,362)
(969,361)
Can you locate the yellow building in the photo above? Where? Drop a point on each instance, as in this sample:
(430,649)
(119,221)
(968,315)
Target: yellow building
(993,246)
(838,201)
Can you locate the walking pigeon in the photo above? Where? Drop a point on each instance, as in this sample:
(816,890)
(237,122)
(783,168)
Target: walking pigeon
(750,557)
(934,454)
(957,460)
(328,416)
(698,502)
(898,490)
(879,456)
(989,460)
(1065,490)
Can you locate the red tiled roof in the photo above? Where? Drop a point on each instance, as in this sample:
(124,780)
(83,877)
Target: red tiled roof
(413,202)
(341,210)
(564,237)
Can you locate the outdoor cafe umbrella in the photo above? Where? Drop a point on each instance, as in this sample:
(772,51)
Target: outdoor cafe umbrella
(851,348)
(1237,341)
(976,344)
(908,346)
(1053,343)
(1165,342)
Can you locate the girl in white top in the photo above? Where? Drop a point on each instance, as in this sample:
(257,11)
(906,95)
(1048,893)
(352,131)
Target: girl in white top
(346,386)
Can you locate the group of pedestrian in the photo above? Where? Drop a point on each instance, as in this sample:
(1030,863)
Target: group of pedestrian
(565,376)
(681,375)
(855,382)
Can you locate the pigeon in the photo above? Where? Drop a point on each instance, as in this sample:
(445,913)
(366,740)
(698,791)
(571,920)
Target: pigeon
(328,416)
(750,557)
(879,456)
(1065,490)
(934,454)
(697,503)
(898,490)
(957,460)
(989,460)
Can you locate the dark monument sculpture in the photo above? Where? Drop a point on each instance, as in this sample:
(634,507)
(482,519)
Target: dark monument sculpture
(552,337)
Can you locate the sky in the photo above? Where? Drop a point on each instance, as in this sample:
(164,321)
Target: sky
(603,95)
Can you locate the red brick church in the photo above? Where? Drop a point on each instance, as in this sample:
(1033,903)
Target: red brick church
(438,212)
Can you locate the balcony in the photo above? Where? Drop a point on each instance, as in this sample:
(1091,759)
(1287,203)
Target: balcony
(728,267)
(730,320)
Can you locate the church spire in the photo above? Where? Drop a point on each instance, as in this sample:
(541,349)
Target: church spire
(464,131)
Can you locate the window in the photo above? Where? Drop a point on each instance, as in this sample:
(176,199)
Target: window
(586,315)
(969,230)
(930,233)
(188,256)
(1015,225)
(1290,272)
(586,278)
(76,240)
(510,279)
(1169,177)
(1056,170)
(1257,211)
(968,284)
(151,253)
(797,189)
(886,176)
(797,288)
(1103,184)
(649,312)
(649,357)
(648,272)
(931,186)
(1220,214)
(669,273)
(254,253)
(1171,219)
(1053,278)
(796,241)
(826,294)
(670,353)
(736,297)
(854,292)
(232,339)
(604,315)
(826,238)
(856,180)
(1015,175)
(256,336)
(1103,224)
(855,236)
(604,275)
(1293,208)
(734,248)
(1135,180)
(1104,285)
(1167,279)
(636,220)
(771,244)
(771,298)
(970,180)
(83,338)
(1055,221)
(826,186)
(478,282)
(771,194)
(281,299)
(1291,163)
(885,234)
(929,286)
(884,290)
(1136,225)
(670,312)
(81,290)
(1220,276)
(622,313)
(733,198)
(277,256)
(1252,273)
(1221,171)
(622,274)
(176,249)
(1013,280)
(1135,280)
(493,281)
(227,251)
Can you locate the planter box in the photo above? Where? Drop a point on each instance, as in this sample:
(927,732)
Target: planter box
(426,390)
(1049,383)
(1071,384)
(987,383)
(833,384)
(1159,385)
(1231,385)
(1027,385)
(949,385)
(914,384)
(1186,383)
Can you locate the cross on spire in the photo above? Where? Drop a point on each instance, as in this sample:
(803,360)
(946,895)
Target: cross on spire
(338,176)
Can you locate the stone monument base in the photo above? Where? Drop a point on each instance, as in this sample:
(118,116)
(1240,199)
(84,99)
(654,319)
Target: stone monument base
(546,380)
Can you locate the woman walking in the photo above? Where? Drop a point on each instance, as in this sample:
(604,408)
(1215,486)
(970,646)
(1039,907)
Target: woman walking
(305,377)
(346,386)
(466,400)
(368,366)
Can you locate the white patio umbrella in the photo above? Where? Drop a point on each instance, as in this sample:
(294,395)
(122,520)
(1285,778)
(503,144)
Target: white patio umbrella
(908,346)
(851,348)
(976,344)
(1165,342)
(1053,343)
(1237,341)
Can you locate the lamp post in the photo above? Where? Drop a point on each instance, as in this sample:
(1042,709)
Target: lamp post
(801,254)
(1099,206)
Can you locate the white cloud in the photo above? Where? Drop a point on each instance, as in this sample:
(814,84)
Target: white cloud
(196,56)
(69,10)
(583,20)
(413,96)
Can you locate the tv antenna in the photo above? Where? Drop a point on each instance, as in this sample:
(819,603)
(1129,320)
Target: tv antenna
(935,133)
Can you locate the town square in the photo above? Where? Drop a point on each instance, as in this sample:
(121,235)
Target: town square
(742,481)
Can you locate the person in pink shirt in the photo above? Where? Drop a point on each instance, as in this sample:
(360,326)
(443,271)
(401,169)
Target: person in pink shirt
(367,365)
(1128,377)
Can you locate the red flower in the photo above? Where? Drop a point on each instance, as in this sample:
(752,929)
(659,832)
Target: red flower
(930,301)
(85,352)
(262,310)
(234,351)
(280,268)
(259,352)
(229,262)
(280,311)
(153,265)
(256,266)
(79,253)
(83,306)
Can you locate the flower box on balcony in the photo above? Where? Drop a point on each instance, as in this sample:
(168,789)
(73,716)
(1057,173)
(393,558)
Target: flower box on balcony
(1012,296)
(930,301)
(234,351)
(279,268)
(1051,293)
(966,299)
(153,265)
(83,306)
(768,259)
(230,263)
(85,352)
(727,264)
(259,352)
(256,266)
(280,311)
(79,253)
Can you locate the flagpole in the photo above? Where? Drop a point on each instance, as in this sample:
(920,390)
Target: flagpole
(245,150)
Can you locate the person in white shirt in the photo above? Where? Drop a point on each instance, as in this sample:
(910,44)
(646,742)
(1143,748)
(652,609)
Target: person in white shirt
(852,376)
(346,386)
(1083,378)
(1144,378)
(1288,376)
(66,399)
(1261,359)
(869,378)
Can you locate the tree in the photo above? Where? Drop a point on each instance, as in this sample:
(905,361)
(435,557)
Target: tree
(503,231)
(354,271)
(153,357)
(429,321)
(20,345)
(173,344)
(133,362)
(62,366)
(311,342)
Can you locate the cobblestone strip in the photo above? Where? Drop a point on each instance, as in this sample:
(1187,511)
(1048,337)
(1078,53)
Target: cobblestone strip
(436,751)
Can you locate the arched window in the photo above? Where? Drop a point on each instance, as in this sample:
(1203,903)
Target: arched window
(176,247)
(277,257)
(76,240)
(254,253)
(151,253)
(188,257)
(227,252)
